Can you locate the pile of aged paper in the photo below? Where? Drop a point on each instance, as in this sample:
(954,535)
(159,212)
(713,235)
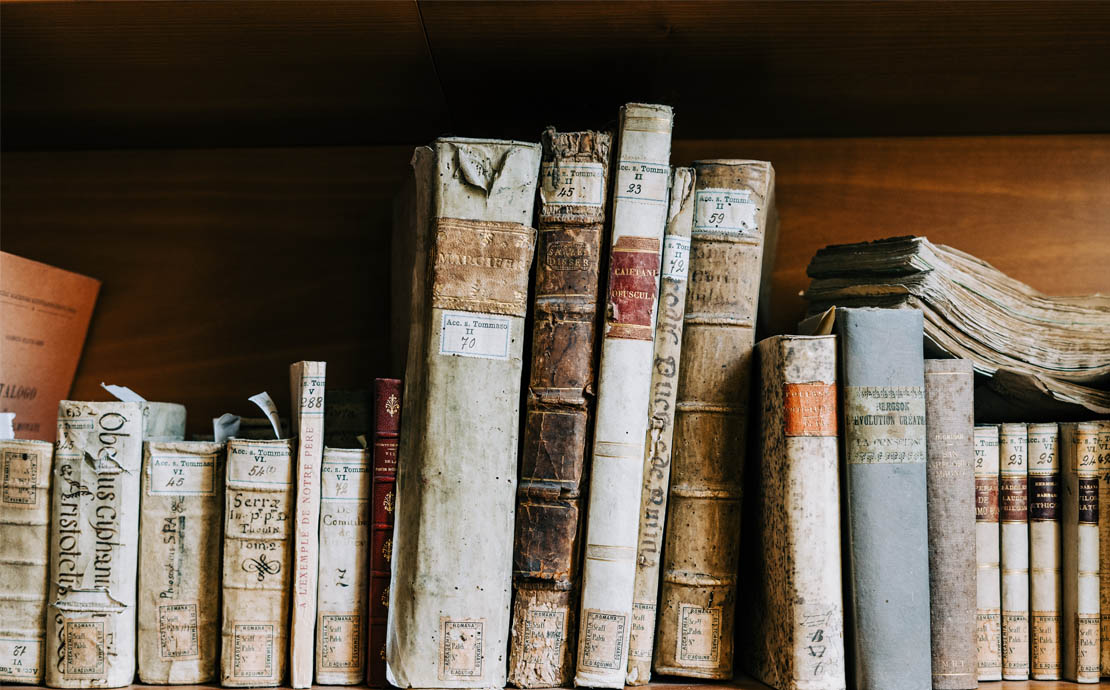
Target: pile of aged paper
(1042,354)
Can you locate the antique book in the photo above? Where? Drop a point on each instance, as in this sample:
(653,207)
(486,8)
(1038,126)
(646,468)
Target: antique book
(950,472)
(1104,543)
(257,561)
(640,193)
(25,474)
(44,316)
(341,617)
(1079,495)
(796,620)
(1013,500)
(306,382)
(697,601)
(94,538)
(180,540)
(387,430)
(452,568)
(1044,551)
(988,594)
(660,433)
(573,178)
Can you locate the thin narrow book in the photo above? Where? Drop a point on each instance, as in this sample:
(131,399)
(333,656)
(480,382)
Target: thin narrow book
(1014,517)
(988,607)
(180,540)
(697,600)
(258,561)
(660,433)
(624,384)
(387,430)
(950,483)
(25,473)
(549,526)
(1079,447)
(1044,551)
(456,484)
(797,617)
(341,612)
(1104,542)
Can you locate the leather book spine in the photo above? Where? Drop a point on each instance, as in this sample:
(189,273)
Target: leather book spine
(697,601)
(640,193)
(344,577)
(451,583)
(387,431)
(950,472)
(1104,543)
(1013,500)
(660,433)
(25,474)
(572,195)
(1044,551)
(885,505)
(257,561)
(180,539)
(1081,567)
(797,615)
(988,594)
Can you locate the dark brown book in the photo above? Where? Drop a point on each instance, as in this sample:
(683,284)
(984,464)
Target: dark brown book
(387,431)
(557,418)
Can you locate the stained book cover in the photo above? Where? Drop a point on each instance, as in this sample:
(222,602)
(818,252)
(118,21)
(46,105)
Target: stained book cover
(1013,493)
(733,202)
(257,561)
(94,538)
(1044,551)
(1104,542)
(456,484)
(25,477)
(559,406)
(1081,566)
(988,594)
(180,540)
(387,428)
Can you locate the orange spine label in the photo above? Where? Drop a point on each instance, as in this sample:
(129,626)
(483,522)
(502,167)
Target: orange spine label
(810,409)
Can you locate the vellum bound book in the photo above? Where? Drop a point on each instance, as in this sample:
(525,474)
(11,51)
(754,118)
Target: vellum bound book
(1013,497)
(733,212)
(94,541)
(1104,542)
(452,566)
(180,540)
(25,474)
(1044,551)
(988,594)
(639,215)
(1079,496)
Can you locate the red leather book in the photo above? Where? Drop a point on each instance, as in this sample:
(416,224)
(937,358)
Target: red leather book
(387,431)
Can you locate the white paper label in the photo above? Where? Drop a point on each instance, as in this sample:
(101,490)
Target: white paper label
(7,430)
(729,211)
(183,475)
(122,393)
(474,335)
(676,257)
(572,184)
(643,181)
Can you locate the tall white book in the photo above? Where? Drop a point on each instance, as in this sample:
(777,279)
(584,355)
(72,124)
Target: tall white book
(640,197)
(1014,516)
(1044,551)
(988,594)
(1081,567)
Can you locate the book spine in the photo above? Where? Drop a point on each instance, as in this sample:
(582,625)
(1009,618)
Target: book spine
(1104,543)
(1044,551)
(572,197)
(180,540)
(950,481)
(660,433)
(341,613)
(697,600)
(988,607)
(639,215)
(306,381)
(887,593)
(1081,566)
(25,473)
(387,430)
(1014,517)
(452,567)
(797,615)
(257,562)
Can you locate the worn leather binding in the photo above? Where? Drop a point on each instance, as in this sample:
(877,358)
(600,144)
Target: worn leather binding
(1013,500)
(660,433)
(25,474)
(794,627)
(988,596)
(732,205)
(573,182)
(387,431)
(1044,551)
(456,481)
(1079,449)
(950,473)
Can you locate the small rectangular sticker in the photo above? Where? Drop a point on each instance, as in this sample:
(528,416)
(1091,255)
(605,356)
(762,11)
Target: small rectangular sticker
(84,648)
(699,635)
(182,475)
(21,478)
(253,650)
(572,184)
(177,631)
(462,653)
(485,336)
(729,211)
(643,182)
(19,659)
(340,641)
(676,257)
(602,643)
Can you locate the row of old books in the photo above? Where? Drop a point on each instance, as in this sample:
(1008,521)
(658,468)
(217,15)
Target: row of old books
(125,548)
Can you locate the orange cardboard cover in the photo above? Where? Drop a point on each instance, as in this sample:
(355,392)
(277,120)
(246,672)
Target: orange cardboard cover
(44,316)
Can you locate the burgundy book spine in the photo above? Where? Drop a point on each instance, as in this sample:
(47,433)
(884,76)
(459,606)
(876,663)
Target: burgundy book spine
(387,431)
